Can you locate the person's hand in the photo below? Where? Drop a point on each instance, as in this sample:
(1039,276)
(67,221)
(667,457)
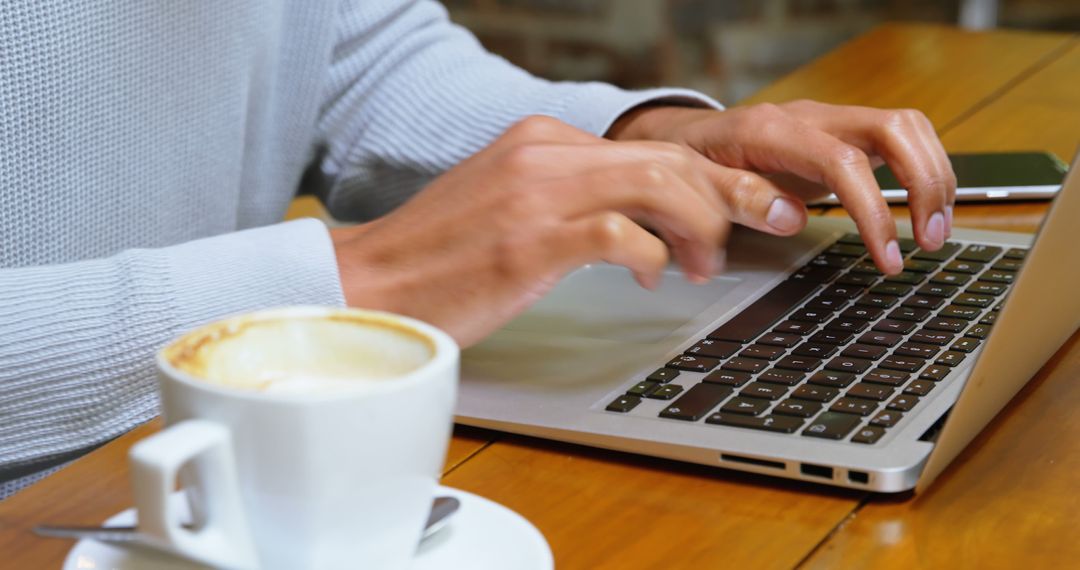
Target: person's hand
(798,151)
(491,236)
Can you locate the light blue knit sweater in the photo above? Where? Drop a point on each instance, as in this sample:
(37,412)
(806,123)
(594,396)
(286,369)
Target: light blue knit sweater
(138,136)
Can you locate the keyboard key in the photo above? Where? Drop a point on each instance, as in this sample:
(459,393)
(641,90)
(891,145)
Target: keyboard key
(926,336)
(880,338)
(907,245)
(923,302)
(945,278)
(815,350)
(857,279)
(912,314)
(980,253)
(986,288)
(693,363)
(852,365)
(919,388)
(761,314)
(867,268)
(797,408)
(903,403)
(965,344)
(996,276)
(827,260)
(663,375)
(966,267)
(816,275)
(867,351)
(868,434)
(714,348)
(908,277)
(859,312)
(854,406)
(845,291)
(917,350)
(887,419)
(847,325)
(950,358)
(886,377)
(935,372)
(1007,265)
(751,365)
(762,351)
(748,406)
(826,303)
(894,326)
(831,337)
(727,377)
(780,376)
(782,424)
(937,290)
(764,391)
(780,339)
(846,249)
(902,363)
(1016,253)
(942,254)
(871,300)
(811,315)
(894,289)
(979,331)
(870,391)
(959,312)
(972,300)
(815,393)
(832,379)
(831,425)
(802,363)
(666,392)
(988,319)
(623,404)
(643,388)
(795,327)
(920,265)
(945,324)
(696,402)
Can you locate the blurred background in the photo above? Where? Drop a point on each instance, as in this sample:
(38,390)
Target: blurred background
(725,48)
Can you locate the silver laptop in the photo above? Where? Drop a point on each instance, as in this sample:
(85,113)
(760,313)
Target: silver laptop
(800,361)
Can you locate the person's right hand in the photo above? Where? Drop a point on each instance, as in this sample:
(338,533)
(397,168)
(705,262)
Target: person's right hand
(491,236)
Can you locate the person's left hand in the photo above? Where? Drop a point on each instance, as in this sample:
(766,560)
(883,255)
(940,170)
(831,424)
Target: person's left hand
(799,151)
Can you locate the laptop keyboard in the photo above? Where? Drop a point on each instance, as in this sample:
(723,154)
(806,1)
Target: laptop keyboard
(839,350)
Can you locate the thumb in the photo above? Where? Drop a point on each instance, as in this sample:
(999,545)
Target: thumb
(757,202)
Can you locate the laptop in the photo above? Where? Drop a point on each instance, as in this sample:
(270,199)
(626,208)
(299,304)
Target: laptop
(800,361)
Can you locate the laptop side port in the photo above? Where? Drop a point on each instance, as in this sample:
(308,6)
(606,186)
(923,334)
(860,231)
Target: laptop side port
(860,477)
(816,470)
(732,458)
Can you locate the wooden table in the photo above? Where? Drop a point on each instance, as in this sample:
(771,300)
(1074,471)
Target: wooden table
(1010,499)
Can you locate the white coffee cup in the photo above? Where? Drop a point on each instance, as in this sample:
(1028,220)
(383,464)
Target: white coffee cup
(306,437)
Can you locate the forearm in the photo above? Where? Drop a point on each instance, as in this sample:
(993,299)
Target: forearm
(77,340)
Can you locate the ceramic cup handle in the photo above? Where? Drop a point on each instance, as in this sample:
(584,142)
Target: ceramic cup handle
(206,448)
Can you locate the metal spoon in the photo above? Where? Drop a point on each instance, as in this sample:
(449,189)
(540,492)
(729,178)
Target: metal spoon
(441,509)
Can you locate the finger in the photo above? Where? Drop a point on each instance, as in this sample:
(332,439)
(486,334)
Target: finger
(609,237)
(905,138)
(655,192)
(757,202)
(785,144)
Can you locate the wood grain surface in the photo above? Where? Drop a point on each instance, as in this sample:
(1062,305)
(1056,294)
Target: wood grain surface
(1008,501)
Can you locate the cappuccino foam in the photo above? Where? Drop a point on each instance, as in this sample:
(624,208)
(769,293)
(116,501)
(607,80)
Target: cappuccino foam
(298,355)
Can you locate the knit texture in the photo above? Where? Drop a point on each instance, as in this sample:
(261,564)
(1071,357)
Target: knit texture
(137,137)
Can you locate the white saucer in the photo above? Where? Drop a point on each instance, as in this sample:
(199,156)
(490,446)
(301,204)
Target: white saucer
(481,535)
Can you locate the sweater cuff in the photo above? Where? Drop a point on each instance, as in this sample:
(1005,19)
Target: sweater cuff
(598,105)
(291,263)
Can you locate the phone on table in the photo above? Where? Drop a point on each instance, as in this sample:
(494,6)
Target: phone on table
(984,177)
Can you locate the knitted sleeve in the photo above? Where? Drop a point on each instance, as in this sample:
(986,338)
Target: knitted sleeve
(410,94)
(77,340)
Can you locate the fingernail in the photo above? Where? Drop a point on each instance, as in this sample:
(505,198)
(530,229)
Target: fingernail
(935,229)
(948,221)
(784,215)
(892,256)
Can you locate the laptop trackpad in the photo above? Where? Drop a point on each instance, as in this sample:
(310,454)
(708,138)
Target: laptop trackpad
(604,302)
